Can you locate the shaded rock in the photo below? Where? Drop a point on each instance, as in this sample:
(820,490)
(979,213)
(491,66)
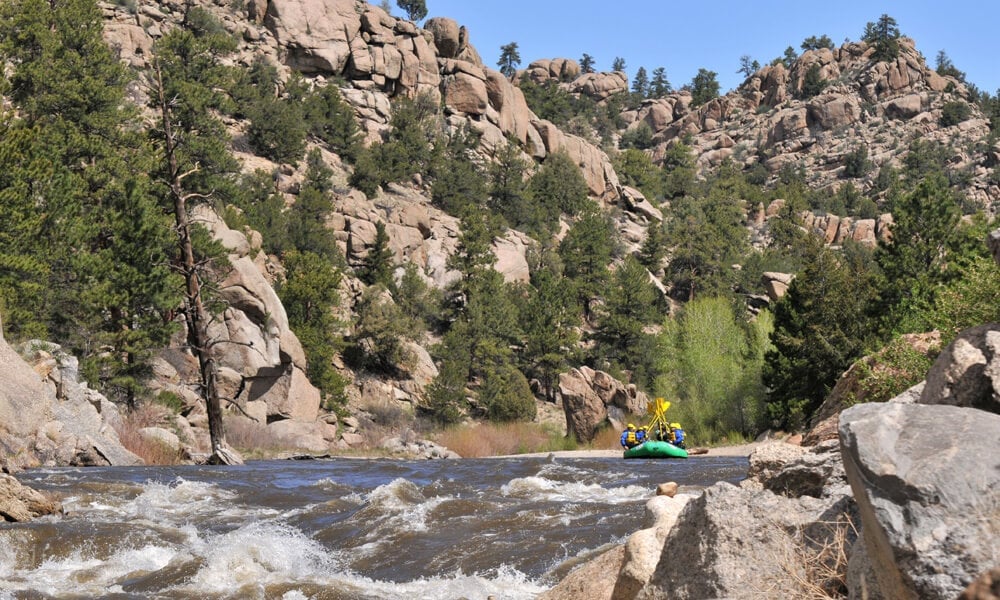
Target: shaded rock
(967,372)
(928,503)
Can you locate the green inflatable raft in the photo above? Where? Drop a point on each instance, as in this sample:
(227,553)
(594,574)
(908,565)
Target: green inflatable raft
(656,449)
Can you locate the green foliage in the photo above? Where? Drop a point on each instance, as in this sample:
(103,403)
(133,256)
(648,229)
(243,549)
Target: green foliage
(586,63)
(407,150)
(507,188)
(971,299)
(262,208)
(748,66)
(659,85)
(704,87)
(924,237)
(945,67)
(813,82)
(707,236)
(277,129)
(307,230)
(458,183)
(618,64)
(639,137)
(954,112)
(416,10)
(379,332)
(377,266)
(898,367)
(332,120)
(883,36)
(558,188)
(84,247)
(548,319)
(509,59)
(308,294)
(821,326)
(856,163)
(817,43)
(630,304)
(419,301)
(711,362)
(640,84)
(586,252)
(635,168)
(507,396)
(679,166)
(203,24)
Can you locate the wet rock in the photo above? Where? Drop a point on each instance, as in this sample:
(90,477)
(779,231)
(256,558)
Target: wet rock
(21,503)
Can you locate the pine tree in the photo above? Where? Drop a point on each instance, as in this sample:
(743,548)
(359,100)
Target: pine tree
(377,266)
(510,58)
(659,86)
(640,84)
(586,252)
(76,175)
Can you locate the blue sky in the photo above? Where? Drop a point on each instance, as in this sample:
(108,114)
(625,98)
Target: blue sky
(685,36)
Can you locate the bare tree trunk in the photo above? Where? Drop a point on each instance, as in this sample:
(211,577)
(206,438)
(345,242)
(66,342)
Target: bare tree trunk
(196,315)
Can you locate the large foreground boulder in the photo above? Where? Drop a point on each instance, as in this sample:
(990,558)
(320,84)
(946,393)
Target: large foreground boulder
(927,483)
(732,542)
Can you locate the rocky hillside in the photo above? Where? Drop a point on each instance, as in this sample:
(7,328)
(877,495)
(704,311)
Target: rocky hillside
(374,58)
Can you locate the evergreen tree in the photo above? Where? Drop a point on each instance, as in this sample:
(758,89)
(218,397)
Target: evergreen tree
(307,230)
(507,188)
(309,294)
(789,57)
(416,10)
(509,59)
(458,182)
(659,86)
(586,63)
(704,87)
(748,66)
(618,64)
(332,120)
(379,331)
(549,321)
(945,67)
(83,243)
(817,43)
(813,82)
(884,36)
(557,188)
(629,306)
(920,257)
(586,252)
(377,266)
(640,85)
(636,168)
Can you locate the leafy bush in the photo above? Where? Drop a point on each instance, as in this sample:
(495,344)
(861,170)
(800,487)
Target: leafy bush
(897,368)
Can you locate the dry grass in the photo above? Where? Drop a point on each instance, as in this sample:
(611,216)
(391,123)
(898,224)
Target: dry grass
(150,451)
(817,566)
(252,439)
(498,439)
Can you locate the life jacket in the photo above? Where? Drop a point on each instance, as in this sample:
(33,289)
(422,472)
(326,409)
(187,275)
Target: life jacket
(678,436)
(629,438)
(640,436)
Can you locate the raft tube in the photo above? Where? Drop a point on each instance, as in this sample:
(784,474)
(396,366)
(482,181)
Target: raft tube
(656,449)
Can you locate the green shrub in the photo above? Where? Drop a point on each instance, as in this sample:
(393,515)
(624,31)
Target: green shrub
(954,113)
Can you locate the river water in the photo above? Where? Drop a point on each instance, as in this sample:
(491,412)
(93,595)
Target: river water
(339,529)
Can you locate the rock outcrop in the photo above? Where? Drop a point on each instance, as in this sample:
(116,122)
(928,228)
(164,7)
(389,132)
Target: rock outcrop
(587,396)
(48,417)
(20,503)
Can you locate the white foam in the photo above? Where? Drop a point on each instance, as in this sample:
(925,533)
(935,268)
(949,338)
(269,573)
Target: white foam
(540,488)
(505,582)
(259,553)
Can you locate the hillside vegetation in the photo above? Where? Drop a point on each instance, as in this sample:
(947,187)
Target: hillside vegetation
(216,201)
